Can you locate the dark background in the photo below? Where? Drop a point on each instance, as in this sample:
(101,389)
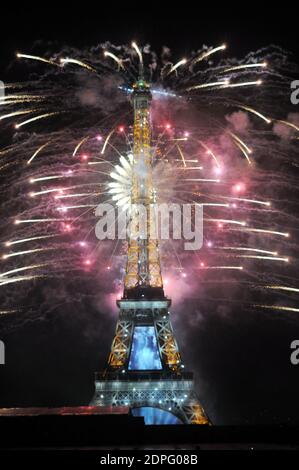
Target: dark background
(241,361)
(182,26)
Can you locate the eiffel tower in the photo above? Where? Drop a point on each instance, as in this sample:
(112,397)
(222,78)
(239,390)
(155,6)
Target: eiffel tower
(144,370)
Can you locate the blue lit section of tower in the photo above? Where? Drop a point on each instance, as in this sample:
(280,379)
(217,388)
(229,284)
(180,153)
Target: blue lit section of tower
(144,353)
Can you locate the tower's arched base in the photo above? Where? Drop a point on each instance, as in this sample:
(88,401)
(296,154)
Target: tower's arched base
(166,393)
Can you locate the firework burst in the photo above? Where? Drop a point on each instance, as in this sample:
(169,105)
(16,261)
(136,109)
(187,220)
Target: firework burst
(223,136)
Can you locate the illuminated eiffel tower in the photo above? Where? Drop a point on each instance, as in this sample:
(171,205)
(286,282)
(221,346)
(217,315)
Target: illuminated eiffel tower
(144,369)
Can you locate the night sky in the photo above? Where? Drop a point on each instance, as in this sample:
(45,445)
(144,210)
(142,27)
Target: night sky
(241,359)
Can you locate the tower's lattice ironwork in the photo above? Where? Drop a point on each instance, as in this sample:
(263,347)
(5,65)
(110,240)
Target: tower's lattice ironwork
(144,368)
(143,264)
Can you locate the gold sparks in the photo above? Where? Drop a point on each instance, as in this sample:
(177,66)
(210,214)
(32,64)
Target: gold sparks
(246,66)
(290,124)
(202,180)
(244,152)
(278,307)
(106,141)
(239,268)
(181,154)
(269,258)
(20,279)
(45,178)
(25,240)
(16,113)
(241,142)
(227,221)
(270,232)
(36,118)
(283,288)
(134,45)
(209,152)
(26,252)
(19,99)
(115,58)
(253,111)
(252,201)
(37,152)
(77,62)
(208,85)
(79,145)
(24,268)
(241,248)
(33,221)
(65,208)
(33,57)
(177,65)
(205,55)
